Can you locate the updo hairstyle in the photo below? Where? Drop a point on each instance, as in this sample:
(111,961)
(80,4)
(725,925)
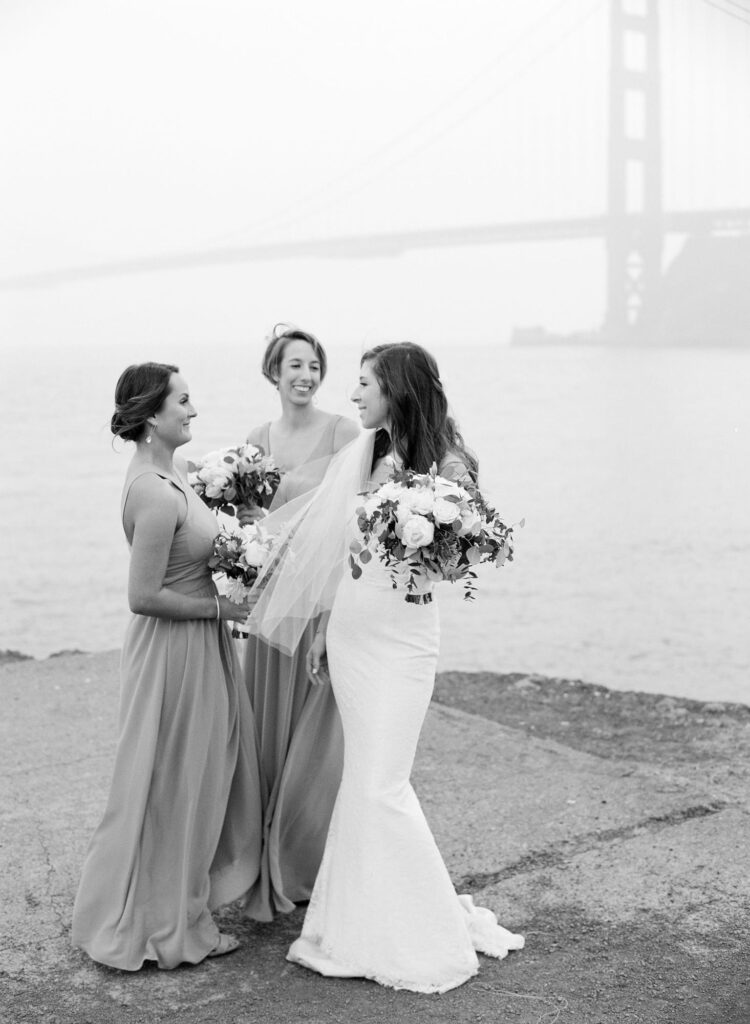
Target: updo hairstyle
(281,335)
(140,393)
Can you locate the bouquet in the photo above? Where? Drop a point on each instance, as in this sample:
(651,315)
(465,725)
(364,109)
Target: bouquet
(243,475)
(426,529)
(238,556)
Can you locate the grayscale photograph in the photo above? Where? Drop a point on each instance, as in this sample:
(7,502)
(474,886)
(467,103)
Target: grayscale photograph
(375,539)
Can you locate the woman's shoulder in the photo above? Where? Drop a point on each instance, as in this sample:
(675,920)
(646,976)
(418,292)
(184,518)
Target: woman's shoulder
(146,491)
(151,482)
(333,432)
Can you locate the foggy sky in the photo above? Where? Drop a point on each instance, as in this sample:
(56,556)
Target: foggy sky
(133,128)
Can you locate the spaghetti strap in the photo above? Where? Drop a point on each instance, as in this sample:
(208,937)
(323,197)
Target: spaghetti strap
(334,427)
(324,449)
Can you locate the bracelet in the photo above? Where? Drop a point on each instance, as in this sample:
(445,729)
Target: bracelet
(218,607)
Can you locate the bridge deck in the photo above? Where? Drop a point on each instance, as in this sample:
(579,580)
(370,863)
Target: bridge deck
(719,221)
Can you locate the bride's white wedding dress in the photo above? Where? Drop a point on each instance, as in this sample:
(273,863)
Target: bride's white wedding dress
(383,906)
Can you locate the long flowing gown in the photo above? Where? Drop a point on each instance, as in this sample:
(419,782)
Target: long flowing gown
(384,906)
(181,831)
(300,742)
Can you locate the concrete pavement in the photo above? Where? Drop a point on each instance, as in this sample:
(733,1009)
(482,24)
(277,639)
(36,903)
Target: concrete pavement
(628,877)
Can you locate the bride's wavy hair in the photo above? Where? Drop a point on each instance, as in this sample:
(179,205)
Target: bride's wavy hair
(140,392)
(423,432)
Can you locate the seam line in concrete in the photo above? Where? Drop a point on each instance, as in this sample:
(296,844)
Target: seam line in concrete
(33,769)
(557,854)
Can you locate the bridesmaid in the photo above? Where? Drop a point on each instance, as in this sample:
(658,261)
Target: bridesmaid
(174,842)
(299,730)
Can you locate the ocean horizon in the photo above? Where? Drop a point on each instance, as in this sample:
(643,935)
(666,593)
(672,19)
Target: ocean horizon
(633,568)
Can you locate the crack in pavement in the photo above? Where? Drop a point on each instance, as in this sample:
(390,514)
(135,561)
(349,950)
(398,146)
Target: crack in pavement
(557,854)
(44,895)
(51,871)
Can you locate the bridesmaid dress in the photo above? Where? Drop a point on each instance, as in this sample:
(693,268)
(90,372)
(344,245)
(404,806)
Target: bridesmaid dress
(174,842)
(300,742)
(383,906)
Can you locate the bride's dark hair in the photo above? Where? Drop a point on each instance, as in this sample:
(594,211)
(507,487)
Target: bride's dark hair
(422,430)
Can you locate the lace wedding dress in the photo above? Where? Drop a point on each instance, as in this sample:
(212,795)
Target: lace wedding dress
(383,906)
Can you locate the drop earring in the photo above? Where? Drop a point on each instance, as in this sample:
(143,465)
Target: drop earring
(148,437)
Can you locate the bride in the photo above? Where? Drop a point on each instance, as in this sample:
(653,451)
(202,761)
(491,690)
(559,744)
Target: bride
(383,906)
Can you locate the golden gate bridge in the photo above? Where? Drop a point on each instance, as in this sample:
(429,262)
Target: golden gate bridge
(633,227)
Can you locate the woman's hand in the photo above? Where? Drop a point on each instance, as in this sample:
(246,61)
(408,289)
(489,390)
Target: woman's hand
(316,662)
(230,611)
(249,514)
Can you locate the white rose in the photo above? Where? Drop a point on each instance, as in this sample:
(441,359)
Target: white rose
(390,491)
(216,483)
(255,553)
(214,475)
(216,490)
(420,500)
(445,511)
(417,532)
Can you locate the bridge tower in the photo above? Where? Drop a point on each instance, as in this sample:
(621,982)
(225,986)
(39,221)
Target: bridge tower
(634,234)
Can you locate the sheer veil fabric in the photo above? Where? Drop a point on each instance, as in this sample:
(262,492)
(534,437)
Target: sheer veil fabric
(310,536)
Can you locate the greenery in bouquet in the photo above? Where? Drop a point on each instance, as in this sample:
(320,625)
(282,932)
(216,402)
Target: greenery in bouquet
(229,477)
(238,556)
(425,528)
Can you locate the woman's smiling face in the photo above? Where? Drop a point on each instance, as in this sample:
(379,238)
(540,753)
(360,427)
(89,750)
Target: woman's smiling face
(370,400)
(299,372)
(172,421)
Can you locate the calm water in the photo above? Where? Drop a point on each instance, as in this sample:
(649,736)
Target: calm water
(629,466)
